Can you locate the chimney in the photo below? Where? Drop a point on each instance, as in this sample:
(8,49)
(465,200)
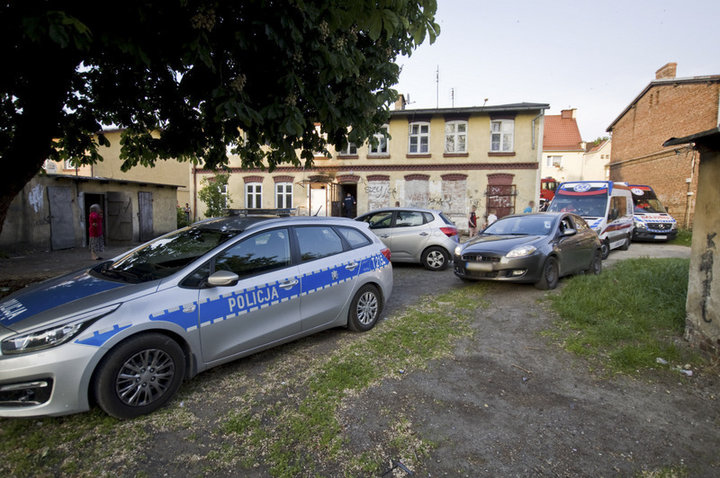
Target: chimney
(666,71)
(567,114)
(400,102)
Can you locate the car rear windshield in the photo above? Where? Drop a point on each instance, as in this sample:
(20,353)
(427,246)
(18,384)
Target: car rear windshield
(165,255)
(522,225)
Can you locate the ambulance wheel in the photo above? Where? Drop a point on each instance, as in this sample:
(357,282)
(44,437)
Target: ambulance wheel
(605,249)
(626,244)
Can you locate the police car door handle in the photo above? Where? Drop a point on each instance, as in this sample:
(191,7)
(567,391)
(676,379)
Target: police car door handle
(289,283)
(385,235)
(351,266)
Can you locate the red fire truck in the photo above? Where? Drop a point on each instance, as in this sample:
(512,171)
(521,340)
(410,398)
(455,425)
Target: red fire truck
(547,191)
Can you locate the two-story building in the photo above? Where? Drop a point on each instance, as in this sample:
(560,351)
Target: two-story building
(563,148)
(668,107)
(448,159)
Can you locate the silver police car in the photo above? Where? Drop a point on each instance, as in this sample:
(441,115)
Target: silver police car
(126,333)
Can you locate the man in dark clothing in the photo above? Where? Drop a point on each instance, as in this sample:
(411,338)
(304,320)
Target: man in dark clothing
(348,204)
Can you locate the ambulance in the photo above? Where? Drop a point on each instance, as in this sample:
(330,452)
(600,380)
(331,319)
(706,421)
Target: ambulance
(652,221)
(606,206)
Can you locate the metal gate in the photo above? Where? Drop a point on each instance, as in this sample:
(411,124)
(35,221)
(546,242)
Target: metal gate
(145,215)
(62,227)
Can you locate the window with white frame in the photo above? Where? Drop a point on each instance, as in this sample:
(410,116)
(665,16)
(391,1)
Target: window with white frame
(350,150)
(501,135)
(555,161)
(69,165)
(456,136)
(253,195)
(419,134)
(382,142)
(283,195)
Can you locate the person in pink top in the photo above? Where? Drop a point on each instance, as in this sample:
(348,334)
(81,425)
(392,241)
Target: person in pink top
(95,232)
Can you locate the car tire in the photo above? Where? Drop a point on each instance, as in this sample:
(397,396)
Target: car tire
(604,249)
(549,277)
(626,244)
(435,258)
(596,264)
(139,375)
(365,309)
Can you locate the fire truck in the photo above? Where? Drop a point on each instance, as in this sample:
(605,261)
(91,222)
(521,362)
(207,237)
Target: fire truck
(547,191)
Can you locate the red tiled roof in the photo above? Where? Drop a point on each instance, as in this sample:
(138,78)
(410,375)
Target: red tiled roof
(561,134)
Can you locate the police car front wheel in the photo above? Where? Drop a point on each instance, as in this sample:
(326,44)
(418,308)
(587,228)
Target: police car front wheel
(139,375)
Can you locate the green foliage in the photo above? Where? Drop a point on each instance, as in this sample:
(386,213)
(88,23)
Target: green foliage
(628,316)
(213,194)
(182,219)
(683,238)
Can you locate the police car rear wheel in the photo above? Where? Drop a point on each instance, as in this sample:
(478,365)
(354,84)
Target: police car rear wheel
(139,375)
(365,309)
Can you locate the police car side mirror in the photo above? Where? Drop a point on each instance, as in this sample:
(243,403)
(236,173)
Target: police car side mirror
(223,279)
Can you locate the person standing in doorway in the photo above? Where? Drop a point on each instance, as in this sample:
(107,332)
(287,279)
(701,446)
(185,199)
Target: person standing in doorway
(187,212)
(472,222)
(348,204)
(95,232)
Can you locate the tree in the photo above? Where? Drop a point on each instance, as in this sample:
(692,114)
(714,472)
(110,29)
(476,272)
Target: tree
(213,194)
(197,72)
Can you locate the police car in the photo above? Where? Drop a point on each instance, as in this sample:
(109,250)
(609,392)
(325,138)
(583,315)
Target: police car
(126,333)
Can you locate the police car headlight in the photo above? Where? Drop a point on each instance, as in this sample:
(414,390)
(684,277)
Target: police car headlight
(521,251)
(52,336)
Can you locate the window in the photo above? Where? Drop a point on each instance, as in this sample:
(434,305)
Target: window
(456,136)
(316,242)
(283,195)
(253,195)
(501,136)
(69,165)
(382,142)
(554,161)
(378,220)
(350,150)
(419,138)
(409,219)
(354,237)
(260,253)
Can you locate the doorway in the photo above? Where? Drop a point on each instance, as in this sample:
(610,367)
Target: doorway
(347,206)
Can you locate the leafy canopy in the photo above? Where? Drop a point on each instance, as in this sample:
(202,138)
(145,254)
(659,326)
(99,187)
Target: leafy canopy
(198,72)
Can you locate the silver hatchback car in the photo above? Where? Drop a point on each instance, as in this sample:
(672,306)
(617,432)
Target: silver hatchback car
(415,235)
(126,333)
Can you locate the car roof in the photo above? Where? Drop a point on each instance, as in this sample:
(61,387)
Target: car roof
(418,209)
(243,223)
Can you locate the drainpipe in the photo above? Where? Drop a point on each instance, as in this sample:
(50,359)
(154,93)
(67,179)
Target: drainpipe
(194,170)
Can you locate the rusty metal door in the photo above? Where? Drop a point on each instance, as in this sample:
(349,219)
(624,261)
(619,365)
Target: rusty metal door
(145,215)
(119,217)
(62,227)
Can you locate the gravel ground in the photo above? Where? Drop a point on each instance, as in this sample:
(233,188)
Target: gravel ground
(506,403)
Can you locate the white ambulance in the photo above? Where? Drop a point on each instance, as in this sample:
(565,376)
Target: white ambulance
(606,206)
(652,221)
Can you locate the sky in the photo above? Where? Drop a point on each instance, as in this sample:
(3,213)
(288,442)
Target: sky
(594,56)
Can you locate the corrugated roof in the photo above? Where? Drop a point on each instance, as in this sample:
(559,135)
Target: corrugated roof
(561,134)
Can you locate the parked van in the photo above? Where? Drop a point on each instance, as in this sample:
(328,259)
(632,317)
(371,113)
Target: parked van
(652,221)
(606,206)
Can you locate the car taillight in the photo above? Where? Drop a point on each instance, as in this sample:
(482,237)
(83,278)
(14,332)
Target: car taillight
(449,231)
(386,253)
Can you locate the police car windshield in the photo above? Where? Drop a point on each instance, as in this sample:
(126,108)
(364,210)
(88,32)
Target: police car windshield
(165,255)
(521,225)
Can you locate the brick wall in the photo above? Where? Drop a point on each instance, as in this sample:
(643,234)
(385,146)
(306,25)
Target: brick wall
(664,111)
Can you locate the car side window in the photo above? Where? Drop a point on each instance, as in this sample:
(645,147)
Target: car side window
(379,220)
(316,242)
(409,219)
(259,253)
(354,237)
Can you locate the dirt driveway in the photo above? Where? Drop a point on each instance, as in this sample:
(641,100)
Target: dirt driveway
(506,403)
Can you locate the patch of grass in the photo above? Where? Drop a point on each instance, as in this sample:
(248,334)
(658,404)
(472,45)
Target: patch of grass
(292,437)
(628,316)
(683,238)
(667,472)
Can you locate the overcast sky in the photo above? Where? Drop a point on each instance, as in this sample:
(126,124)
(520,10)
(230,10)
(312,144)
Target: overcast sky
(595,56)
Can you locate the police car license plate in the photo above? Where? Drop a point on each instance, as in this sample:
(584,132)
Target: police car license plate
(478,266)
(659,237)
